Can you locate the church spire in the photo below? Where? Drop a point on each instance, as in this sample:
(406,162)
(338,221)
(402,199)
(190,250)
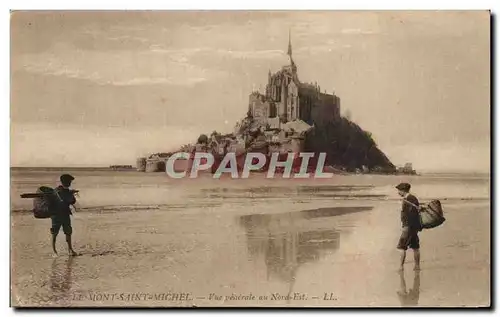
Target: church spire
(289,53)
(289,44)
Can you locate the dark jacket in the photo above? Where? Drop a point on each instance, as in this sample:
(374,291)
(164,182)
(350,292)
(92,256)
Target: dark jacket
(410,214)
(67,199)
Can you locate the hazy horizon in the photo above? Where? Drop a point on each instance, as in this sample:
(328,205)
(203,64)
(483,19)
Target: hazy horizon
(102,88)
(424,172)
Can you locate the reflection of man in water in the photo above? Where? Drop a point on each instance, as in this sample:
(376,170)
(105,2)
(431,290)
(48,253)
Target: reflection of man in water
(60,281)
(411,297)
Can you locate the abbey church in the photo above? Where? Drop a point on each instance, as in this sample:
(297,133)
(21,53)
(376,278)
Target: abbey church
(291,117)
(287,99)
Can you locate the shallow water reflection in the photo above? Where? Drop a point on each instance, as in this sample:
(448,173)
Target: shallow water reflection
(288,240)
(411,296)
(61,278)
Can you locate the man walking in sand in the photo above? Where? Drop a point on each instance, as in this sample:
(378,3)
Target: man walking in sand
(410,220)
(61,218)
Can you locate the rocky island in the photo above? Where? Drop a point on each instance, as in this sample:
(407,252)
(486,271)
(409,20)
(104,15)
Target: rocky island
(292,116)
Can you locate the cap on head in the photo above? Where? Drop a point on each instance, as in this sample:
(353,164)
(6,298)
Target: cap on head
(404,187)
(66,178)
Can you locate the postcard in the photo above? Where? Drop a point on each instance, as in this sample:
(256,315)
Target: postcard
(250,159)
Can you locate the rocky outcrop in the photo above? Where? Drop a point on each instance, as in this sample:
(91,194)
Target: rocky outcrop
(349,147)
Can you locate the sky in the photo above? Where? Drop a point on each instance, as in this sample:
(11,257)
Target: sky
(102,88)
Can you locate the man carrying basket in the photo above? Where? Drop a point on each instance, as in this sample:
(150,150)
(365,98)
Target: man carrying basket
(61,217)
(411,225)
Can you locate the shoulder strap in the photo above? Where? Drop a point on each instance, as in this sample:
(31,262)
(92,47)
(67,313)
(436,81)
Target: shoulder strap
(56,192)
(410,203)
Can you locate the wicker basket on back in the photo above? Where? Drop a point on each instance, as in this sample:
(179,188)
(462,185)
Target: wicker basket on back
(46,204)
(431,215)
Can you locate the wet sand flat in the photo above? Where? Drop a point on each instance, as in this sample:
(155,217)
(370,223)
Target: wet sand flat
(321,253)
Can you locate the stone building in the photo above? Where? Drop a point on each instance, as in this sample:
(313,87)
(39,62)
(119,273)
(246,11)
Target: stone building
(287,99)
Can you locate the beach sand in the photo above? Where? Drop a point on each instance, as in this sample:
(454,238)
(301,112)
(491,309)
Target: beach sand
(316,249)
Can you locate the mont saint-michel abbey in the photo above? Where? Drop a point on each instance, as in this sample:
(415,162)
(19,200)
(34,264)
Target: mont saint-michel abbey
(287,99)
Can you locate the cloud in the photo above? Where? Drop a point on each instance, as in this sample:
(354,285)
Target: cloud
(257,54)
(325,47)
(335,24)
(153,81)
(117,68)
(128,38)
(183,54)
(356,31)
(276,54)
(96,29)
